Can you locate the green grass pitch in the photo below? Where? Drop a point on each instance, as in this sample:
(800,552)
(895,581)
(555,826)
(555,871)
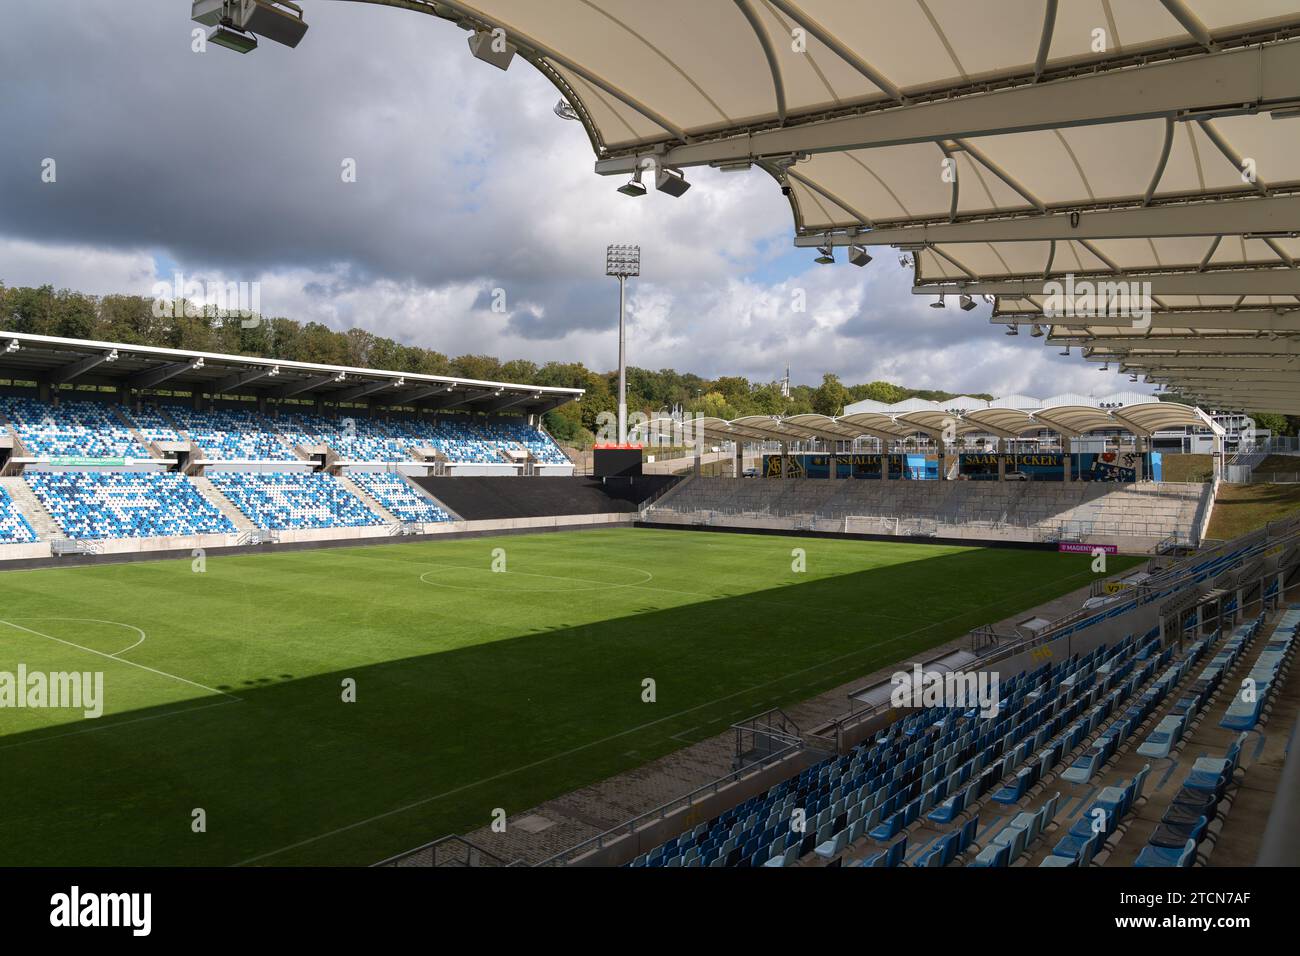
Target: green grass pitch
(474,689)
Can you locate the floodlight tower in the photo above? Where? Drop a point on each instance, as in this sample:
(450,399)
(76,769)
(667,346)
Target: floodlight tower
(622,261)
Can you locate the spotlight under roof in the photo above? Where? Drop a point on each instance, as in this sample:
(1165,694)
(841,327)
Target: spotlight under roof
(965,302)
(492,47)
(671,181)
(233,40)
(859,256)
(827,255)
(633,187)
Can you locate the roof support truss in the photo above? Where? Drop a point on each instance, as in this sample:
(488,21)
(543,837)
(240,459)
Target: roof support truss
(1225,83)
(80,368)
(1132,345)
(1245,320)
(1273,216)
(159,375)
(364,389)
(237,381)
(305,385)
(1224,282)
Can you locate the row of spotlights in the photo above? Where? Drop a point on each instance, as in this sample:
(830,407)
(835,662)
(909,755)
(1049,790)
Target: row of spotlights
(964,302)
(858,255)
(667,180)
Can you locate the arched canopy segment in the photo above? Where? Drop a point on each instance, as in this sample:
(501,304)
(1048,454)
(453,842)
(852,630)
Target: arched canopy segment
(935,423)
(1075,420)
(771,428)
(1152,417)
(877,425)
(824,427)
(1004,422)
(670,431)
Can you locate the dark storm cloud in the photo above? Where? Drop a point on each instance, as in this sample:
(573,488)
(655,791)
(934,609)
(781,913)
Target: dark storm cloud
(236,162)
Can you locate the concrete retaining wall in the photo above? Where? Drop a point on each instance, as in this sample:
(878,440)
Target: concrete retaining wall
(24,556)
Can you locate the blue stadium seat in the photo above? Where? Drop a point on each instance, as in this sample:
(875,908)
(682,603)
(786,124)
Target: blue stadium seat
(293,500)
(397,495)
(14,528)
(117,504)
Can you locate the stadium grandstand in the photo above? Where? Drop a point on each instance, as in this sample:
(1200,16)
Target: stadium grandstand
(110,447)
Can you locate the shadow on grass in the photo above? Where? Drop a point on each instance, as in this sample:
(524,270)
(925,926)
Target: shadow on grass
(290,774)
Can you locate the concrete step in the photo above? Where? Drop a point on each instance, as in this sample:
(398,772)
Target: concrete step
(223,504)
(368,500)
(31,508)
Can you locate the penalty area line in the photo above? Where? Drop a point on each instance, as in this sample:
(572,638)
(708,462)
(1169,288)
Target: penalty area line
(121,660)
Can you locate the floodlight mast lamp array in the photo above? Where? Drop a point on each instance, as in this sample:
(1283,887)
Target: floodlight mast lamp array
(621,262)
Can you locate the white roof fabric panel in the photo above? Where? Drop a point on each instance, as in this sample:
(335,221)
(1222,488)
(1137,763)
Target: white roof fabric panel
(863,100)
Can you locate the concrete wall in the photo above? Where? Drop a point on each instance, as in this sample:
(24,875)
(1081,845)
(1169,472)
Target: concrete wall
(39,555)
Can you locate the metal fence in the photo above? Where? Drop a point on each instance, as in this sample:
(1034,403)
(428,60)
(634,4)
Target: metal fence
(1275,477)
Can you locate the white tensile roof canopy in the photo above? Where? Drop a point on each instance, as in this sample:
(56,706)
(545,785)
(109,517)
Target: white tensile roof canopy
(1002,143)
(1143,420)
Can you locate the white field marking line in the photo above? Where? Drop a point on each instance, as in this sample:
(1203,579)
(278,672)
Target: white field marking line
(594,743)
(120,723)
(601,585)
(121,660)
(95,620)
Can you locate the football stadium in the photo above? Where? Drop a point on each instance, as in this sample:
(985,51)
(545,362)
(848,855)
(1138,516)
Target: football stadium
(266,602)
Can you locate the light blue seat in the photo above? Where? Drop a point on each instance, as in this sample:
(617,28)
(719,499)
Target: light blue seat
(1014,839)
(1160,742)
(887,830)
(1084,766)
(1159,856)
(834,846)
(992,856)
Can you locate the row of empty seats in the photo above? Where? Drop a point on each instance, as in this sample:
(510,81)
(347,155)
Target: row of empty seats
(114,504)
(1167,735)
(1201,801)
(1252,703)
(1072,508)
(931,764)
(97,505)
(71,429)
(89,429)
(293,501)
(399,497)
